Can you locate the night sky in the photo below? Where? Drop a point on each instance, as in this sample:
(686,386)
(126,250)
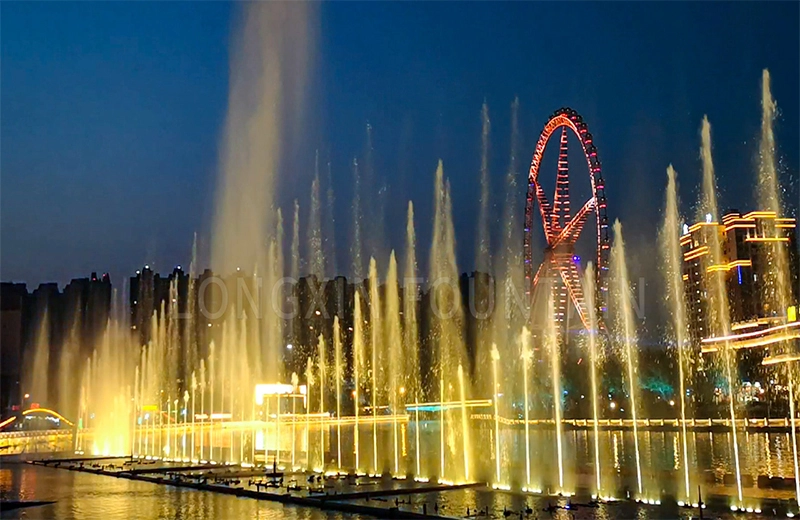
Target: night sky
(112,114)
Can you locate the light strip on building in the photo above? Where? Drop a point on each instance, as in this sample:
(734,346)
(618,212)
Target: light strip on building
(740,226)
(695,227)
(762,214)
(695,253)
(729,265)
(766,239)
(756,342)
(781,358)
(749,324)
(735,337)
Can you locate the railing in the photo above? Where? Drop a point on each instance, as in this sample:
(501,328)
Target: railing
(35,441)
(628,423)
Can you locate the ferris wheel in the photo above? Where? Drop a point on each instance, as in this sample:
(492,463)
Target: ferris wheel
(562,227)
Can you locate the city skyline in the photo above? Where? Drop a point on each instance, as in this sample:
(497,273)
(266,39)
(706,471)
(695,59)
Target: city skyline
(643,118)
(391,259)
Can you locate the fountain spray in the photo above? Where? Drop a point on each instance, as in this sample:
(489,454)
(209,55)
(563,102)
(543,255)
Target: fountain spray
(670,239)
(495,385)
(464,423)
(358,365)
(716,281)
(295,383)
(777,283)
(322,380)
(394,341)
(339,373)
(594,362)
(527,357)
(623,297)
(309,384)
(375,345)
(554,348)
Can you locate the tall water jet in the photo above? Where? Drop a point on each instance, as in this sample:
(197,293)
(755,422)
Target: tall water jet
(295,389)
(202,407)
(671,247)
(68,366)
(553,346)
(495,393)
(526,355)
(447,315)
(189,318)
(269,57)
(410,327)
(719,314)
(107,397)
(627,328)
(375,350)
(394,341)
(358,370)
(356,249)
(192,411)
(482,256)
(329,242)
(136,445)
(316,259)
(374,204)
(309,385)
(294,322)
(479,299)
(322,369)
(339,377)
(295,272)
(776,285)
(38,374)
(212,381)
(267,80)
(509,315)
(410,299)
(594,365)
(269,361)
(462,390)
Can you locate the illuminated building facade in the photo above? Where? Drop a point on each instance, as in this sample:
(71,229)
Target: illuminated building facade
(750,244)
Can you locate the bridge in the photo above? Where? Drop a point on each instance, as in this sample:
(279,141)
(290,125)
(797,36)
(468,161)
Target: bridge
(23,434)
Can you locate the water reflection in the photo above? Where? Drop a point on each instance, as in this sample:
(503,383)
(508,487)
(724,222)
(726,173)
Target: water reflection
(80,495)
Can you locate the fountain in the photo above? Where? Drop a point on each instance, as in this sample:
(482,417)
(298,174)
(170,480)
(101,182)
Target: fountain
(776,287)
(295,383)
(594,365)
(628,332)
(376,342)
(394,341)
(495,393)
(670,240)
(526,355)
(411,331)
(358,369)
(322,377)
(553,347)
(309,385)
(338,376)
(464,422)
(720,312)
(408,362)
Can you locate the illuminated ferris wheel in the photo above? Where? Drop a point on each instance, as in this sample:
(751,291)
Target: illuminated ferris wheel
(560,265)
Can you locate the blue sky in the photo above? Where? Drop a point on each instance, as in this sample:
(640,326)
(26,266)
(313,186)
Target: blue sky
(112,113)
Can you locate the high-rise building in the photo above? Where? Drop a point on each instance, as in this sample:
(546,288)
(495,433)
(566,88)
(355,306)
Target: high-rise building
(751,245)
(12,306)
